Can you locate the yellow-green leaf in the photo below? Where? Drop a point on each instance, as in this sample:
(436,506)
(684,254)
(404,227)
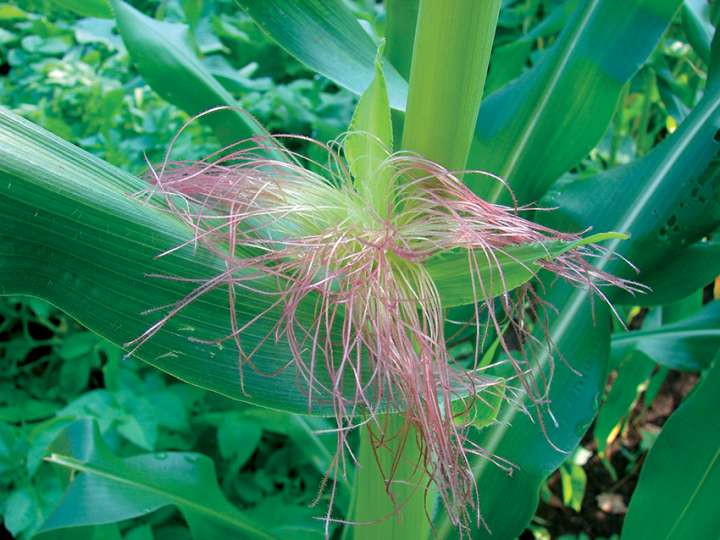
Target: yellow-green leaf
(370,141)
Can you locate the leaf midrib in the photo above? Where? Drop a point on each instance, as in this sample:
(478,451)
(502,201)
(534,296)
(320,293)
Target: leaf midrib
(679,333)
(695,492)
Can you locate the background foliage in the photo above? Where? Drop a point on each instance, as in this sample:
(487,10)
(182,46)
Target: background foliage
(73,75)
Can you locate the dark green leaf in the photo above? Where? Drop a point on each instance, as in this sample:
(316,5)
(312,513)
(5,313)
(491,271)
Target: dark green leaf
(698,28)
(28,411)
(21,510)
(302,429)
(583,342)
(77,345)
(536,128)
(238,438)
(665,201)
(679,276)
(87,8)
(110,489)
(324,35)
(297,523)
(634,370)
(676,496)
(509,60)
(689,344)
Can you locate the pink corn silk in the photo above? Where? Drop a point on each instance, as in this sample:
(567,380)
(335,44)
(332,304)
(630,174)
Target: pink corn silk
(378,321)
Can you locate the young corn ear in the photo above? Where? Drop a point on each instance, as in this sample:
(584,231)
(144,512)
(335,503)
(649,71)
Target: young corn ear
(361,257)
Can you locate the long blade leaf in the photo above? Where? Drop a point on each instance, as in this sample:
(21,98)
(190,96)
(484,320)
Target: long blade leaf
(74,234)
(653,190)
(111,489)
(689,344)
(536,128)
(324,35)
(676,496)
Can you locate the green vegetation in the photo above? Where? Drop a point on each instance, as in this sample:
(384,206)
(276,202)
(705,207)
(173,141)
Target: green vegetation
(606,111)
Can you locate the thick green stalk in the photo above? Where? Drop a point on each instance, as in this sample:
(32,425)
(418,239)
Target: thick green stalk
(451,53)
(452,49)
(402,516)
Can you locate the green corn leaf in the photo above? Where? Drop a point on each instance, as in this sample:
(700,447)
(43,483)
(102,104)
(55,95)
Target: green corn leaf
(74,234)
(370,140)
(509,60)
(460,281)
(698,28)
(667,200)
(536,128)
(400,23)
(677,277)
(481,410)
(581,335)
(634,371)
(638,199)
(510,268)
(164,55)
(111,489)
(324,35)
(681,309)
(87,8)
(676,496)
(686,345)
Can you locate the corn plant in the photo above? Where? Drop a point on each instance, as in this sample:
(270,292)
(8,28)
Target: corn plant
(333,281)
